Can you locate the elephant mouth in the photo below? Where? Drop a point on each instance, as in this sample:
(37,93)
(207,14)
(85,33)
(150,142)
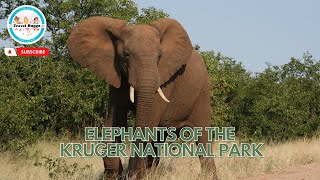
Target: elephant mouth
(159,91)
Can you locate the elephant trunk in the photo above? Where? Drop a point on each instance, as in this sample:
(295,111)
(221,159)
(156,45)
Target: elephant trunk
(147,82)
(145,99)
(145,79)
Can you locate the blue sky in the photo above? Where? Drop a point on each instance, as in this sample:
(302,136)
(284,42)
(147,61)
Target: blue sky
(253,32)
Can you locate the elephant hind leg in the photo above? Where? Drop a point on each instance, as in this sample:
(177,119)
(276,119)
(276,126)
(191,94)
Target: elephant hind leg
(207,164)
(201,117)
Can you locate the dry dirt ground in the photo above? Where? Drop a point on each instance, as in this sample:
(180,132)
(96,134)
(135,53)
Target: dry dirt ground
(303,172)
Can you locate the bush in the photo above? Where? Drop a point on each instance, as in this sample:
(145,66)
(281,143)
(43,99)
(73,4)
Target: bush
(280,103)
(40,95)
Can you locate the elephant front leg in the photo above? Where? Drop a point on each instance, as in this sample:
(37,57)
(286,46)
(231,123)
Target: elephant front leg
(153,162)
(113,168)
(117,117)
(137,165)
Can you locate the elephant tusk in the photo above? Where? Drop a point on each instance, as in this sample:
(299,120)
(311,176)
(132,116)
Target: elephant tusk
(162,95)
(132,94)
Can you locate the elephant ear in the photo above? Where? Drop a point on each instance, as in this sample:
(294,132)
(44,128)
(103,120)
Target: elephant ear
(91,44)
(176,47)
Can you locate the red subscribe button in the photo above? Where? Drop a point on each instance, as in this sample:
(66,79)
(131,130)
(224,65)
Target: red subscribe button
(33,51)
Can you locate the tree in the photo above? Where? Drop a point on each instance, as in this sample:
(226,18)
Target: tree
(150,14)
(227,77)
(62,15)
(52,94)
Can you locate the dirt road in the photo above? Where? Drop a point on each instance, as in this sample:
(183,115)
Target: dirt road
(305,172)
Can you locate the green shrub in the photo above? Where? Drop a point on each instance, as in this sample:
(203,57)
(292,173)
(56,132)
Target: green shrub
(280,103)
(40,95)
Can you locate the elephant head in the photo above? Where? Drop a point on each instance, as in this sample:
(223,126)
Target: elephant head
(148,55)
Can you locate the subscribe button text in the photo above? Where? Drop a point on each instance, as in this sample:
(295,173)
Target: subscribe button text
(32,51)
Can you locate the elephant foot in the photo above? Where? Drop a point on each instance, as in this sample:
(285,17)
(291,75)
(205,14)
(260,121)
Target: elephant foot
(137,174)
(111,175)
(208,167)
(209,174)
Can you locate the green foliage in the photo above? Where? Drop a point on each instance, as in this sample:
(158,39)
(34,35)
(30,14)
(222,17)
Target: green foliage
(58,168)
(283,102)
(227,76)
(54,95)
(39,95)
(280,103)
(62,15)
(150,14)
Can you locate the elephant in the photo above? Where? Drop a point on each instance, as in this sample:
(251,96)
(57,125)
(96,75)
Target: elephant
(153,70)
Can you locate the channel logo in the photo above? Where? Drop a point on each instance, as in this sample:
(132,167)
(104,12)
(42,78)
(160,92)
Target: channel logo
(26,24)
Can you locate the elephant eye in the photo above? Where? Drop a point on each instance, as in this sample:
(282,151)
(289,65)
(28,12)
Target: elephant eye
(126,55)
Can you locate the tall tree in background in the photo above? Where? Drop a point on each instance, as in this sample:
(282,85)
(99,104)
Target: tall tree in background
(54,95)
(62,15)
